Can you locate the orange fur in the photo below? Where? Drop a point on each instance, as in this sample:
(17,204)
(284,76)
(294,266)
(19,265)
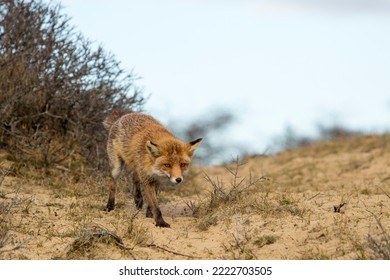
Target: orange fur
(151,152)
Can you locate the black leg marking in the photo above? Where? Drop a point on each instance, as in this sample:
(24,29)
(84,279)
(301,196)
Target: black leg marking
(110,204)
(149,213)
(160,221)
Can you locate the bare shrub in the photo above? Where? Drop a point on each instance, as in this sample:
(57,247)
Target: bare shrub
(55,87)
(292,139)
(336,131)
(234,193)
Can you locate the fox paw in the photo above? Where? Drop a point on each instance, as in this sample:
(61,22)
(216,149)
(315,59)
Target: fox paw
(110,206)
(162,223)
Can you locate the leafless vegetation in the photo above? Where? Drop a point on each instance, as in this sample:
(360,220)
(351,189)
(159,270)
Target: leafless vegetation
(55,87)
(293,139)
(239,187)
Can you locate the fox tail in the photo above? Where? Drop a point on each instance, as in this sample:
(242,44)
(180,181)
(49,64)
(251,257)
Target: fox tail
(113,117)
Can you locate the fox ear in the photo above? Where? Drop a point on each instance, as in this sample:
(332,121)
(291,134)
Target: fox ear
(153,148)
(193,145)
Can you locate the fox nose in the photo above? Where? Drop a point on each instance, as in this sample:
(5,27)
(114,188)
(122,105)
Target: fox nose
(179,180)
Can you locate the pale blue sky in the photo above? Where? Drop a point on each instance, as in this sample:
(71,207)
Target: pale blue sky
(273,63)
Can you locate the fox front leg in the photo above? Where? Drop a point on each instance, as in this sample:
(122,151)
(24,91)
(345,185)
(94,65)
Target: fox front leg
(151,196)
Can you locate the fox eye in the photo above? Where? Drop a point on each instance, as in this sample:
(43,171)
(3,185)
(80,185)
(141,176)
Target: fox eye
(183,165)
(167,165)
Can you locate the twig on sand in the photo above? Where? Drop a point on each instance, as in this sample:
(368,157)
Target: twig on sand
(170,251)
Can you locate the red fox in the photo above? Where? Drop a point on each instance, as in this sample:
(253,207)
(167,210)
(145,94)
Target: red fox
(151,152)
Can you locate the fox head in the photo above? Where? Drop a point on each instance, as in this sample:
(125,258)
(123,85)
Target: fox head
(172,158)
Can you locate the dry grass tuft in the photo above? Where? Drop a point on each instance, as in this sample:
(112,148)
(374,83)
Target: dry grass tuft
(90,237)
(10,203)
(235,193)
(379,246)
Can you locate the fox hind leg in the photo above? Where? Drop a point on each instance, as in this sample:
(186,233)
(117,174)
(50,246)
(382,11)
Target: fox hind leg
(149,213)
(138,199)
(116,165)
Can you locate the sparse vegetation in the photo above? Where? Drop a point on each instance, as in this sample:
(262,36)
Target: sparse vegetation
(380,245)
(239,247)
(10,203)
(292,139)
(265,240)
(290,206)
(237,190)
(205,222)
(89,238)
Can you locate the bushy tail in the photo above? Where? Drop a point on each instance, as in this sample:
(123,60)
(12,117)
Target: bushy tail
(113,117)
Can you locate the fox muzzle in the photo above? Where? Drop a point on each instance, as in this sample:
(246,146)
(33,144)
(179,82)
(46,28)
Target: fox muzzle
(176,180)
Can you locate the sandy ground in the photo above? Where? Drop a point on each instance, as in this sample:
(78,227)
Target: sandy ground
(325,201)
